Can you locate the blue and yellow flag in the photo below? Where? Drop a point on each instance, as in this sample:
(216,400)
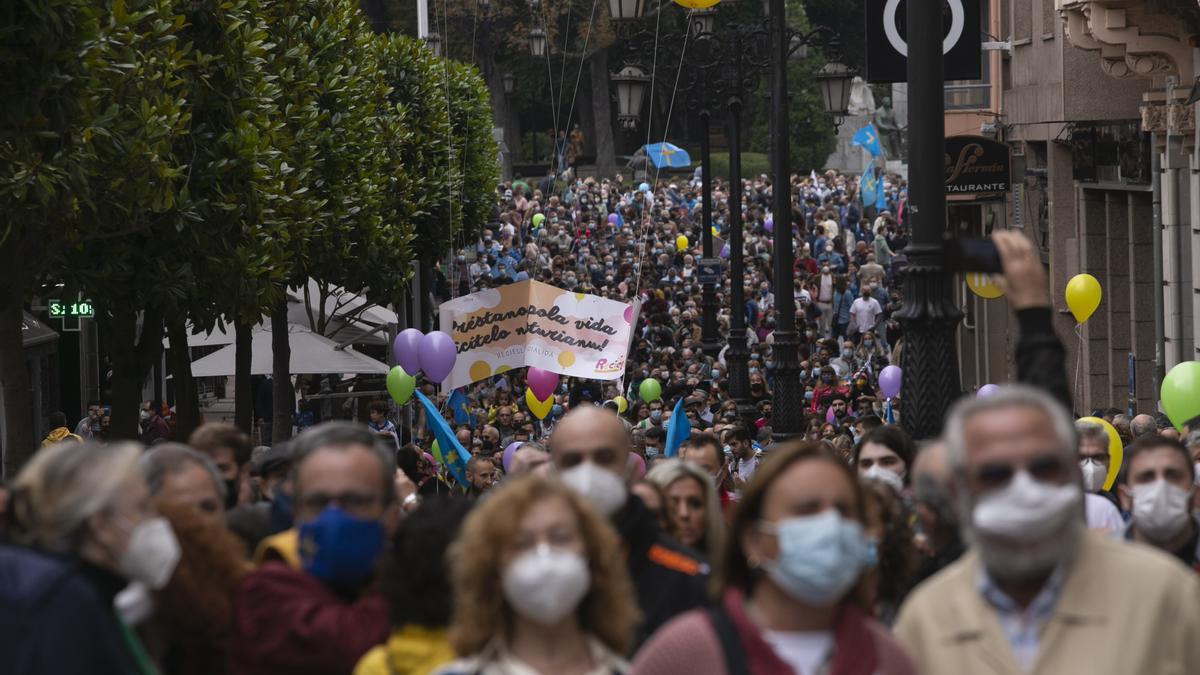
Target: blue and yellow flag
(678,430)
(460,406)
(453,455)
(868,139)
(869,187)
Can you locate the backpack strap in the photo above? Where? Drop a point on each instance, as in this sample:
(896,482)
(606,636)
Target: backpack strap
(731,644)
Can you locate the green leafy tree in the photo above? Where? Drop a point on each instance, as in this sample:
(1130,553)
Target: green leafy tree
(46,50)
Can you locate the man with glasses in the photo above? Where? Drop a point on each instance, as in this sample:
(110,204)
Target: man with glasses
(307,608)
(1037,592)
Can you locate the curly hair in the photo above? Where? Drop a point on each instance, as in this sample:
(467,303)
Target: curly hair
(897,555)
(477,558)
(414,570)
(194,608)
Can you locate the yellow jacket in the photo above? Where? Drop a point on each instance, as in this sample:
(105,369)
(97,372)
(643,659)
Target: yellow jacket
(411,650)
(58,436)
(1124,608)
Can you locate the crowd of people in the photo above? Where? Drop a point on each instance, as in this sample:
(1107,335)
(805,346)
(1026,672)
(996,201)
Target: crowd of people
(586,543)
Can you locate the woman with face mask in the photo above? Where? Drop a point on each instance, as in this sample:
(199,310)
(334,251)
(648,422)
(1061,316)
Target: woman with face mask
(540,586)
(85,527)
(792,600)
(884,455)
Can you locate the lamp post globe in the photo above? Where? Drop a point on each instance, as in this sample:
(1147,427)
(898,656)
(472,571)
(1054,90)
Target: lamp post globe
(631,84)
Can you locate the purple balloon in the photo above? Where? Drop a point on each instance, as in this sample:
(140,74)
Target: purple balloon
(830,417)
(769,225)
(889,381)
(612,219)
(541,382)
(407,350)
(438,355)
(511,450)
(725,251)
(986,390)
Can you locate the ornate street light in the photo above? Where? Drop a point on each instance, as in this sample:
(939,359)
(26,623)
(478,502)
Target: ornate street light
(434,41)
(631,84)
(626,10)
(510,83)
(836,80)
(537,41)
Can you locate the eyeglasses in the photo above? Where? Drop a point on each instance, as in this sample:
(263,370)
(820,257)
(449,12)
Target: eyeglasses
(1045,468)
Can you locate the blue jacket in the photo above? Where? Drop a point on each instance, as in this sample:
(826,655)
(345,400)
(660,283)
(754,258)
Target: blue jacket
(54,619)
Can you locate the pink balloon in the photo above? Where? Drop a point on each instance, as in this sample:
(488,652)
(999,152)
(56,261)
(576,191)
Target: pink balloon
(889,381)
(407,350)
(628,310)
(639,463)
(511,450)
(438,355)
(541,382)
(829,416)
(986,390)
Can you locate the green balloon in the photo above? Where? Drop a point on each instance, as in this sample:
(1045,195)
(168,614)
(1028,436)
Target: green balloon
(650,390)
(400,385)
(538,219)
(1180,393)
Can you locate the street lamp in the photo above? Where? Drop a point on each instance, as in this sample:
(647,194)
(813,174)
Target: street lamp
(631,84)
(626,10)
(836,81)
(510,83)
(703,21)
(537,41)
(434,41)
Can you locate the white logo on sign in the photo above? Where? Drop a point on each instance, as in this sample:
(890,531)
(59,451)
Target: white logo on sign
(957,20)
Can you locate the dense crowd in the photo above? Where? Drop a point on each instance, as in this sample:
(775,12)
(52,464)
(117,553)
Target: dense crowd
(585,542)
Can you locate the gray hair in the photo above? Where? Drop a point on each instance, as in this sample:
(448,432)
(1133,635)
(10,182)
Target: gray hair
(168,459)
(1090,431)
(63,486)
(1006,396)
(341,435)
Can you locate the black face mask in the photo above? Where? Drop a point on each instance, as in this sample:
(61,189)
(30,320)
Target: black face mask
(231,493)
(487,446)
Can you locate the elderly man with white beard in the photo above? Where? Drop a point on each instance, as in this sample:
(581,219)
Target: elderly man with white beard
(1037,592)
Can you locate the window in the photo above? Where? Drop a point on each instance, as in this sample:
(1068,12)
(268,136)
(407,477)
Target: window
(974,94)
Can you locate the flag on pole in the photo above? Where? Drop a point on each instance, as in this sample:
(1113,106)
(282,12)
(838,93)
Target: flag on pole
(868,139)
(678,430)
(459,405)
(454,456)
(868,187)
(881,199)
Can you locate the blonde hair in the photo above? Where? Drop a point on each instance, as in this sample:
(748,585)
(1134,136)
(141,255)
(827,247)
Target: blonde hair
(481,612)
(62,486)
(667,473)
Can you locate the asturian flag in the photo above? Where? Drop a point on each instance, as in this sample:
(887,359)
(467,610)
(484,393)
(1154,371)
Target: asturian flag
(868,138)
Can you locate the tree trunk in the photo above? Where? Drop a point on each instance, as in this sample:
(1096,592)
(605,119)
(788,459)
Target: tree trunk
(133,355)
(606,150)
(20,435)
(243,394)
(281,361)
(187,400)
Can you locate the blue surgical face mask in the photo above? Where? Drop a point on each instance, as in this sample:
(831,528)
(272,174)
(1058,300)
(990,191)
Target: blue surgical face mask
(556,410)
(656,415)
(651,453)
(338,548)
(820,556)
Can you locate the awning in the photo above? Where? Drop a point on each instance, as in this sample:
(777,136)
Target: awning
(34,332)
(312,354)
(353,317)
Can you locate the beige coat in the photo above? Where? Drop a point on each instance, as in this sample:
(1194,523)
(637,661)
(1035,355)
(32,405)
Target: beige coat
(1124,609)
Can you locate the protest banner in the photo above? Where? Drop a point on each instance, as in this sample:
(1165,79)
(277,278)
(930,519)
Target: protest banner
(530,323)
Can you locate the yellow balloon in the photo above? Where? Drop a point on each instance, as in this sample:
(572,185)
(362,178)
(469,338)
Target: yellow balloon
(1116,452)
(981,285)
(681,243)
(1083,296)
(539,408)
(622,404)
(696,4)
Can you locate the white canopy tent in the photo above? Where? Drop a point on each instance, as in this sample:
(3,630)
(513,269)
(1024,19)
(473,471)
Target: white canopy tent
(311,354)
(353,317)
(221,335)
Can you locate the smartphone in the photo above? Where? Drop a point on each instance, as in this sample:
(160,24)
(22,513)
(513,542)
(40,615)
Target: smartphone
(972,255)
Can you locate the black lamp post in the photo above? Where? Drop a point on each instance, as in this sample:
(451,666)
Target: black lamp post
(929,316)
(537,41)
(510,83)
(631,84)
(433,40)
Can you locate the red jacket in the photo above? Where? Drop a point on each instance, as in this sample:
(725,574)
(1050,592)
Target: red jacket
(286,621)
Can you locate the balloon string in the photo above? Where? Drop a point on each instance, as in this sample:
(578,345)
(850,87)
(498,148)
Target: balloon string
(1079,362)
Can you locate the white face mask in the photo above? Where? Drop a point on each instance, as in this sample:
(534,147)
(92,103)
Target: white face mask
(1161,510)
(152,554)
(134,604)
(885,476)
(1094,474)
(1009,521)
(603,488)
(546,584)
